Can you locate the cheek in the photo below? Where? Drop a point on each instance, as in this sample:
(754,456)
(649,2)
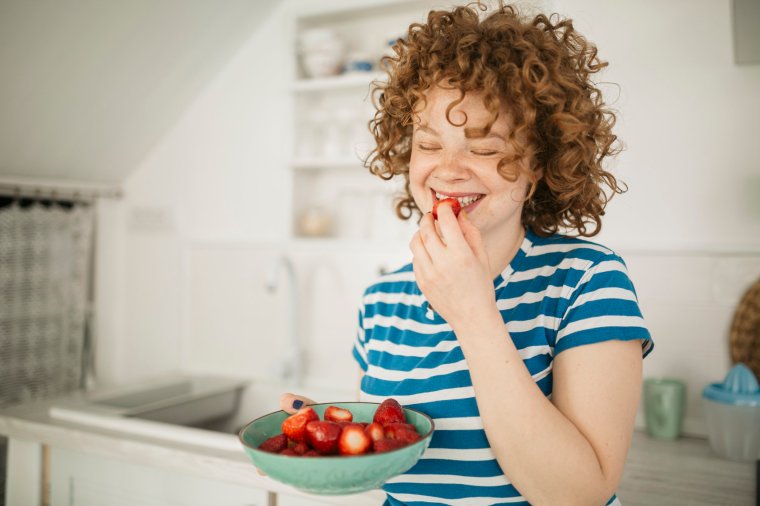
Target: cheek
(417,175)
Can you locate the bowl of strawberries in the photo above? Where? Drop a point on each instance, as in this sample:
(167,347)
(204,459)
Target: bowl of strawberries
(338,448)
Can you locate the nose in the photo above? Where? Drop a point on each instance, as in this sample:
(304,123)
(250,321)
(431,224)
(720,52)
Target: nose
(452,167)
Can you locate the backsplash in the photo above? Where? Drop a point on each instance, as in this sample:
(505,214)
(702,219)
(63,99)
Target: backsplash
(234,326)
(688,301)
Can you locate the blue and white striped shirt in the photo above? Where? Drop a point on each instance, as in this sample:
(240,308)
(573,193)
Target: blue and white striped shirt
(557,293)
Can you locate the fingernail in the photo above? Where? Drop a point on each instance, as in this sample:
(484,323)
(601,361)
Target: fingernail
(297,404)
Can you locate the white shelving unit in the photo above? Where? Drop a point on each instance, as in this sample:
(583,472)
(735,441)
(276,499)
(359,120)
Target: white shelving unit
(331,123)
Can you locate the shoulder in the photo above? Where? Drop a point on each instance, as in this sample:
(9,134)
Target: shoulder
(399,281)
(563,252)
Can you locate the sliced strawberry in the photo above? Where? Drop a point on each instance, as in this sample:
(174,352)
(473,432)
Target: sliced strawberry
(386,445)
(275,444)
(402,431)
(294,426)
(374,431)
(389,411)
(336,414)
(323,436)
(454,203)
(353,440)
(289,451)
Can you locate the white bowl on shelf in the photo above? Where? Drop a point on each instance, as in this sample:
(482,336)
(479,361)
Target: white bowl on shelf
(322,52)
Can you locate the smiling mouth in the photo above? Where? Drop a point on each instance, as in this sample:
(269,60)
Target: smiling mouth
(464,200)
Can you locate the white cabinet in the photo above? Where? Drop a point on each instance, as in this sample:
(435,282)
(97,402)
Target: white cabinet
(334,195)
(78,479)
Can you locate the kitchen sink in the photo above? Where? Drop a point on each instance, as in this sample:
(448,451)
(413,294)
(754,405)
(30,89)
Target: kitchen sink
(198,410)
(178,399)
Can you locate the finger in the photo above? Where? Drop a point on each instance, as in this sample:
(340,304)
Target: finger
(430,238)
(421,261)
(260,472)
(419,252)
(451,231)
(290,403)
(472,236)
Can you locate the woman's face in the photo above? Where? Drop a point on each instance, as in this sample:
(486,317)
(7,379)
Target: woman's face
(445,163)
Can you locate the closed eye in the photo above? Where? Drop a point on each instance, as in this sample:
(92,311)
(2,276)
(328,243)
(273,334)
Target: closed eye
(481,152)
(427,147)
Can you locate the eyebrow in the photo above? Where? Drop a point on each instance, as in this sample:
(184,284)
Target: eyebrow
(425,128)
(494,134)
(489,135)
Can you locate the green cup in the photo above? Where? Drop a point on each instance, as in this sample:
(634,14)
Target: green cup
(664,406)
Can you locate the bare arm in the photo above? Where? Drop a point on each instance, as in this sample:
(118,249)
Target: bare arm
(568,450)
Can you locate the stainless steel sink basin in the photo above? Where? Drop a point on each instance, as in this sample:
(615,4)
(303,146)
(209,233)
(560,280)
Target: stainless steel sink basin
(179,400)
(201,411)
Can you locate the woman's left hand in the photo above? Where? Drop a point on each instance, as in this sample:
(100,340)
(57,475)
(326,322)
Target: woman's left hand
(451,267)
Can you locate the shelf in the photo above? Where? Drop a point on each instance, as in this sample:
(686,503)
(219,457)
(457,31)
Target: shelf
(342,81)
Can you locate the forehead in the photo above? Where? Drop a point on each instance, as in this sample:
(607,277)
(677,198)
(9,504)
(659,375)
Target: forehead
(438,99)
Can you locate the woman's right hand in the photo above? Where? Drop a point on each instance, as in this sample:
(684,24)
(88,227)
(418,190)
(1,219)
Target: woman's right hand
(290,403)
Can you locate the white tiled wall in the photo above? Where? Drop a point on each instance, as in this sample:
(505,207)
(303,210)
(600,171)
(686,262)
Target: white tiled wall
(688,301)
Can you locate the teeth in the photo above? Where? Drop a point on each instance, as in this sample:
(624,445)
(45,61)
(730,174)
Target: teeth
(463,201)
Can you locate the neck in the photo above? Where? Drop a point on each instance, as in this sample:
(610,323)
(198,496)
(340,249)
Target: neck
(502,250)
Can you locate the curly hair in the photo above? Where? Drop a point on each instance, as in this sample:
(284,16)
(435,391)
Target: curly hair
(540,70)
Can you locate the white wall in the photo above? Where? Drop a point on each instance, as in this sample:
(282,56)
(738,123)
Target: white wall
(219,174)
(207,211)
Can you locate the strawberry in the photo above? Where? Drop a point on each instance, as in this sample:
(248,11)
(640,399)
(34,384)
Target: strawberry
(455,206)
(323,436)
(312,453)
(353,440)
(275,444)
(374,431)
(301,447)
(401,431)
(294,426)
(386,445)
(336,414)
(289,451)
(389,411)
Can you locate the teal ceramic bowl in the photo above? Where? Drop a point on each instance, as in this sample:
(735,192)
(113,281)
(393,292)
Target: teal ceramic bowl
(334,475)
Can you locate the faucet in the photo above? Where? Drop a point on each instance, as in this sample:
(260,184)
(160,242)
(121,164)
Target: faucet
(289,367)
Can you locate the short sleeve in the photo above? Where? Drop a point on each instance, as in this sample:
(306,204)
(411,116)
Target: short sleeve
(603,307)
(360,344)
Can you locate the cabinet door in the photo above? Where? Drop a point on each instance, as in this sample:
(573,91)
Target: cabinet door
(83,480)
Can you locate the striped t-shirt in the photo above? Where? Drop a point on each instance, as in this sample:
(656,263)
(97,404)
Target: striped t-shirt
(557,293)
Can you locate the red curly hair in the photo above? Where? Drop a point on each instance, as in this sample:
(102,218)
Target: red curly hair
(541,71)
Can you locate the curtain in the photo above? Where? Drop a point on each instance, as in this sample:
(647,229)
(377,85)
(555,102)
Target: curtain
(45,255)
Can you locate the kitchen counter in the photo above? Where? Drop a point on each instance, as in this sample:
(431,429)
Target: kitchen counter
(678,472)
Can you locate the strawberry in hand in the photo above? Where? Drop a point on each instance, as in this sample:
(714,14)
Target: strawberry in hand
(450,259)
(454,203)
